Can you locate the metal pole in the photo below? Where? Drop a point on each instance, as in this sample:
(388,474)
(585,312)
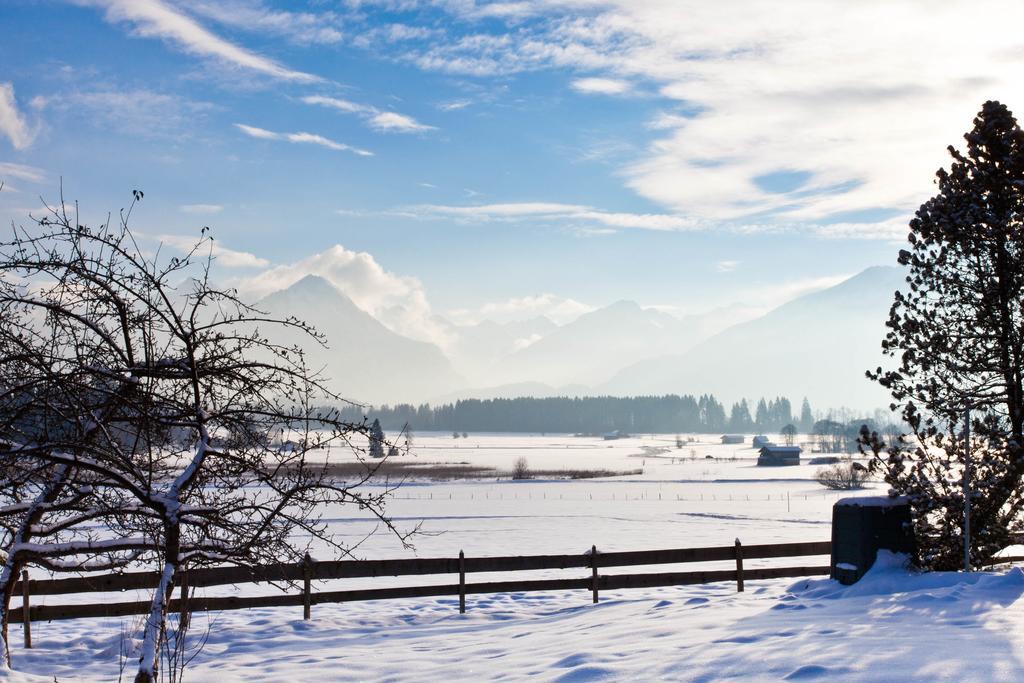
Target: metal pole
(967,488)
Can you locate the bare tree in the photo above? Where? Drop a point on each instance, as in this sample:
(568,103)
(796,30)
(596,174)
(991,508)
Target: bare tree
(136,392)
(521,469)
(789,434)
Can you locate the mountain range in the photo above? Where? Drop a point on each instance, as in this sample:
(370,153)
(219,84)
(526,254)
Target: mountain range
(817,345)
(363,360)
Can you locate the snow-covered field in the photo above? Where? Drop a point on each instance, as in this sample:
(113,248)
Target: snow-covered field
(891,626)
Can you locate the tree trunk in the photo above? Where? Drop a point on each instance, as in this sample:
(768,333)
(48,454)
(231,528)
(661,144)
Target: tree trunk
(156,622)
(16,561)
(8,575)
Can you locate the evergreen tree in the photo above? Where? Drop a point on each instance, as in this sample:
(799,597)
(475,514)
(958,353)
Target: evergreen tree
(957,337)
(376,440)
(806,416)
(761,419)
(739,418)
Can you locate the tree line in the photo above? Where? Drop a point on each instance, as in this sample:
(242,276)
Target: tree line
(591,415)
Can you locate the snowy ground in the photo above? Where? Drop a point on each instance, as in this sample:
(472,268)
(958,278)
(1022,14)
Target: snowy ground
(891,626)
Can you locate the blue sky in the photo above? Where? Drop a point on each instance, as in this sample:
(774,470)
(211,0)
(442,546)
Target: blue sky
(501,159)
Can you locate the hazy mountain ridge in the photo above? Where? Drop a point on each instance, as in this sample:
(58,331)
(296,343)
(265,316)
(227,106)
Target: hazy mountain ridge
(817,345)
(592,347)
(477,348)
(364,360)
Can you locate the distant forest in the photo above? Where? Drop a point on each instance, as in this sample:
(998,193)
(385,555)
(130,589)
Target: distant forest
(592,415)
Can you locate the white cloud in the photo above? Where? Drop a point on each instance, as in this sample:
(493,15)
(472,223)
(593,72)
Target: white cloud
(261,133)
(21,172)
(386,121)
(301,138)
(520,344)
(894,230)
(559,309)
(559,212)
(726,266)
(771,295)
(862,97)
(255,16)
(398,301)
(228,258)
(339,104)
(157,19)
(139,112)
(454,105)
(203,209)
(12,122)
(398,123)
(601,86)
(511,209)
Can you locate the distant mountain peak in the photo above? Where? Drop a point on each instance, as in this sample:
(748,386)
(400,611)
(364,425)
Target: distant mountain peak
(314,283)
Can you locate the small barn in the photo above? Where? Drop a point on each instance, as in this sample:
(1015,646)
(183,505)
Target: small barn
(760,441)
(733,438)
(778,456)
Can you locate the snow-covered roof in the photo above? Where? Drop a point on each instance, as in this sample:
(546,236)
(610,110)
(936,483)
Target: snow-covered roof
(873,501)
(772,449)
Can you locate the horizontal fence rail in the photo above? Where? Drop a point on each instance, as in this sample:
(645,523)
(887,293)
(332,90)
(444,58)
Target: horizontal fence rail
(309,570)
(347,569)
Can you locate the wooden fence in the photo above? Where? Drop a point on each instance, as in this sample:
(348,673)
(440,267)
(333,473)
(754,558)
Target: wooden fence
(306,572)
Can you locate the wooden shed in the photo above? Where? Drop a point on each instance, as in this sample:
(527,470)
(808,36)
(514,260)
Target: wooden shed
(776,456)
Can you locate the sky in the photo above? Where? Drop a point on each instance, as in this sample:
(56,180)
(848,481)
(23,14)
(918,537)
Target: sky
(500,160)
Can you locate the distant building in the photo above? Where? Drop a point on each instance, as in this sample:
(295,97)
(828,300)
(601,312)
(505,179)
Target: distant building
(733,438)
(776,456)
(760,441)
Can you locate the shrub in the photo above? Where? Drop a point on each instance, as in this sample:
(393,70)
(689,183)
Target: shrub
(521,469)
(843,476)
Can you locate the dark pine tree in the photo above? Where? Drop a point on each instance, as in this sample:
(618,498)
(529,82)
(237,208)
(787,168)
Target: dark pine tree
(376,440)
(958,337)
(806,416)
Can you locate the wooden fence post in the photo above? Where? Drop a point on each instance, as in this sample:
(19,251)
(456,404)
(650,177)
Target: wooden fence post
(462,582)
(593,574)
(26,620)
(739,566)
(307,596)
(184,617)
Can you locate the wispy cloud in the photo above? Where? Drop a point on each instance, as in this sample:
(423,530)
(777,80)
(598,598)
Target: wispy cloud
(770,295)
(601,86)
(157,19)
(382,120)
(397,123)
(301,138)
(254,15)
(13,125)
(202,209)
(559,309)
(873,115)
(228,258)
(894,230)
(561,212)
(726,266)
(339,104)
(21,172)
(140,112)
(454,105)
